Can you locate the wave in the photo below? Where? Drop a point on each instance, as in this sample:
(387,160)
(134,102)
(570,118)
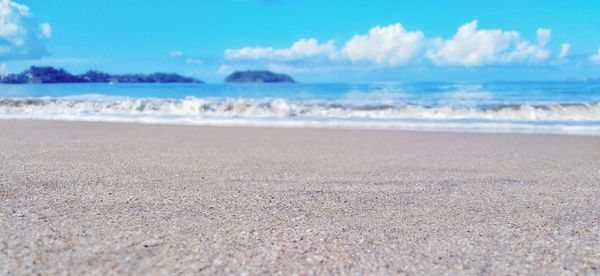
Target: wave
(566,117)
(280,108)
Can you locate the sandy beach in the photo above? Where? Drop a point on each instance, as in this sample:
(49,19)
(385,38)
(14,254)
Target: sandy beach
(113,198)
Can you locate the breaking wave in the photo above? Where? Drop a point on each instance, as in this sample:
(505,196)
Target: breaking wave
(579,117)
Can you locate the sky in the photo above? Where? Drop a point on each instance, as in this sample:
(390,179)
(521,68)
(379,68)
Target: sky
(312,40)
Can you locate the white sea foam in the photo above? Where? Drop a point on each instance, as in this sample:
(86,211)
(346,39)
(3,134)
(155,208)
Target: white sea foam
(561,118)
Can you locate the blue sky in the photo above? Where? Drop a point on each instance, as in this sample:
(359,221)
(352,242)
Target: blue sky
(378,40)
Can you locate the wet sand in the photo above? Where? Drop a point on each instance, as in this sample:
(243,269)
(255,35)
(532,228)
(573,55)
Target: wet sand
(109,198)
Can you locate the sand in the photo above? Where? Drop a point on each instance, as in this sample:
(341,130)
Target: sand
(109,198)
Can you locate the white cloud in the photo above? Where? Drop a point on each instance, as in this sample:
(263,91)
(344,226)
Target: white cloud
(543,36)
(474,47)
(390,45)
(175,53)
(46,30)
(226,69)
(20,36)
(393,45)
(564,50)
(596,57)
(301,49)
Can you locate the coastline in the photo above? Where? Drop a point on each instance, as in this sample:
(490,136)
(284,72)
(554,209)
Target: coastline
(95,197)
(483,128)
(528,107)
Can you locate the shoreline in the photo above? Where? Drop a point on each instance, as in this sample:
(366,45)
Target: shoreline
(113,198)
(282,125)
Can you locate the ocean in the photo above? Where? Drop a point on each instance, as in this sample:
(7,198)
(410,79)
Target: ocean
(562,107)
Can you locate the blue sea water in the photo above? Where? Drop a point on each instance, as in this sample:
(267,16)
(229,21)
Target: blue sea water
(570,107)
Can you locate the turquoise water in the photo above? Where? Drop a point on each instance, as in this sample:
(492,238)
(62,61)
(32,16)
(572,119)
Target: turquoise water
(555,107)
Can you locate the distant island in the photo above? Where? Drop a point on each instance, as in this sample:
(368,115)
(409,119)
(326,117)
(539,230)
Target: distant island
(37,74)
(258,77)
